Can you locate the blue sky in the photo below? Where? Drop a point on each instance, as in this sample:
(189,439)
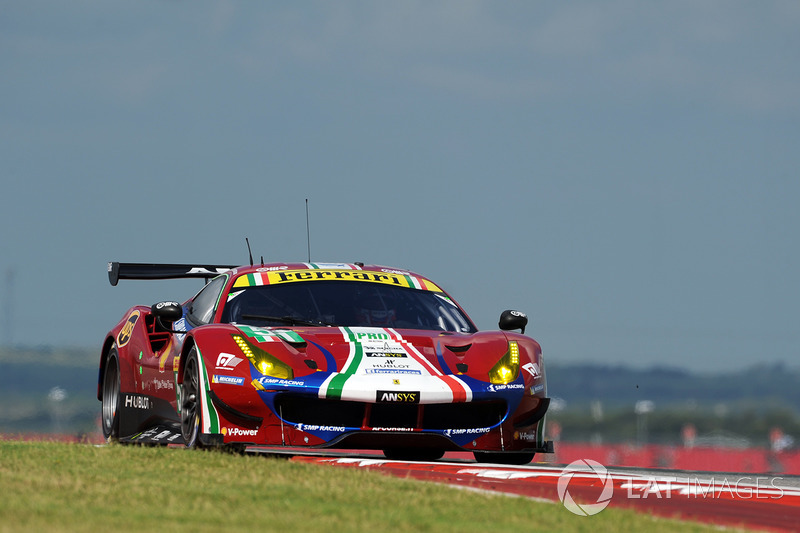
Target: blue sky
(625,173)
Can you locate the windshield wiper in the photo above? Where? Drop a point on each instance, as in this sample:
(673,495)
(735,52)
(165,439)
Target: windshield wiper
(291,320)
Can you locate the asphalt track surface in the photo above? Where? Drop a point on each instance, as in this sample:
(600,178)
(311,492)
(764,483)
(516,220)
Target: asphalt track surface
(751,501)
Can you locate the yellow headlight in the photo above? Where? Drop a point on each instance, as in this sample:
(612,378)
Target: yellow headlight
(507,368)
(267,364)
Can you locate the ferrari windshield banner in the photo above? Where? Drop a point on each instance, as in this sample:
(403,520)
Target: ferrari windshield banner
(290,276)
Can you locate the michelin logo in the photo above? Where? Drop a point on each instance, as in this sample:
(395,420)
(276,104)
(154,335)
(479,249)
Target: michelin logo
(227,380)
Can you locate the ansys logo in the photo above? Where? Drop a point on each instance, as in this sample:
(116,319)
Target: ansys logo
(585,468)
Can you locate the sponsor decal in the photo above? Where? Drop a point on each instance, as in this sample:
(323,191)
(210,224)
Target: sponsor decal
(400,272)
(290,276)
(159,384)
(203,271)
(279,381)
(228,361)
(271,269)
(227,380)
(125,333)
(392,371)
(311,427)
(239,432)
(137,401)
(537,388)
(527,437)
(161,305)
(179,325)
(385,396)
(342,266)
(389,363)
(533,370)
(392,429)
(467,431)
(509,386)
(385,354)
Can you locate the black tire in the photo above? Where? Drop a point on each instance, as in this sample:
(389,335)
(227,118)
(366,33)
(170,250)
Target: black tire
(504,458)
(413,454)
(110,397)
(190,401)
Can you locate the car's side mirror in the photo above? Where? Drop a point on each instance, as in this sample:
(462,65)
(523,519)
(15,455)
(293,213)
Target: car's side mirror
(166,313)
(511,319)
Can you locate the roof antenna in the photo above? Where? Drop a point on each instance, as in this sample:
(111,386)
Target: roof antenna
(262,260)
(308,233)
(249,251)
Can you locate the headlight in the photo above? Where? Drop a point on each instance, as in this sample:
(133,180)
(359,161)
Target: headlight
(507,368)
(267,364)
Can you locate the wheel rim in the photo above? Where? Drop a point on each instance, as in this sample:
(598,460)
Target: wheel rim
(190,419)
(110,396)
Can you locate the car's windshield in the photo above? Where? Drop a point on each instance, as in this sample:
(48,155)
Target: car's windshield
(344,303)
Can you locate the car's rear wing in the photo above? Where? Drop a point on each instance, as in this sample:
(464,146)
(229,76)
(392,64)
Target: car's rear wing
(118,271)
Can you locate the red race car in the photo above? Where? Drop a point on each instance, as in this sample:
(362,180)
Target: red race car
(320,355)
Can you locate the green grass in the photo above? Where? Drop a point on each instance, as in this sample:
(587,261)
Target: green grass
(71,487)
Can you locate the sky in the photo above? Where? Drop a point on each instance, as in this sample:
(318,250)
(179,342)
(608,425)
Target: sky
(625,173)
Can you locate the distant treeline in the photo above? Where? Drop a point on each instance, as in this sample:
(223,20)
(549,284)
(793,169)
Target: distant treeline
(615,386)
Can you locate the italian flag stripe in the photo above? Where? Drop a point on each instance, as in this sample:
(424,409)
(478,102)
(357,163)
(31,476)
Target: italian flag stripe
(459,389)
(336,384)
(210,422)
(412,282)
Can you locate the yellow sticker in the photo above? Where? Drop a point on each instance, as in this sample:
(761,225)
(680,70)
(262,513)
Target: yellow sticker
(127,330)
(370,276)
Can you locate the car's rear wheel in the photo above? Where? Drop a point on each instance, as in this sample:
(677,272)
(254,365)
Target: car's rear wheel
(190,400)
(413,454)
(110,397)
(504,458)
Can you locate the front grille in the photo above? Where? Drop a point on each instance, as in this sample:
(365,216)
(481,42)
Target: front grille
(393,415)
(297,409)
(463,415)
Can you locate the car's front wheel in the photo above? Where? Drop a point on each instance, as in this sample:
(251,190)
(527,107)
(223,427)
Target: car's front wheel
(190,400)
(110,397)
(504,458)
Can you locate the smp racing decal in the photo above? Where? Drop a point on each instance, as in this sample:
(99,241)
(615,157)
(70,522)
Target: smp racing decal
(125,333)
